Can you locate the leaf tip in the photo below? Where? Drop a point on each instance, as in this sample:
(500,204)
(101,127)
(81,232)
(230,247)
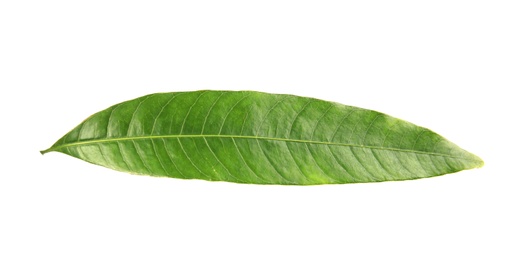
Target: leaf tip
(477,161)
(480,162)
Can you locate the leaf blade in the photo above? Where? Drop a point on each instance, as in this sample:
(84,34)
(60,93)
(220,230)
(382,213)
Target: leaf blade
(281,139)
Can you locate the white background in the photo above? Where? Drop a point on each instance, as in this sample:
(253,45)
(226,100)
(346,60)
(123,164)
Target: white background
(451,66)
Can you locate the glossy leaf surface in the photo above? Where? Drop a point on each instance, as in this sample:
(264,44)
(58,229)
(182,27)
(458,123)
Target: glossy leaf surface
(254,137)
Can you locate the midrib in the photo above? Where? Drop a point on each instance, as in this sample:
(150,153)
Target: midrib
(108,140)
(133,138)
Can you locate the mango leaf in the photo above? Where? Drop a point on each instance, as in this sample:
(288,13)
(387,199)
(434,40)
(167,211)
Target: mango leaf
(254,137)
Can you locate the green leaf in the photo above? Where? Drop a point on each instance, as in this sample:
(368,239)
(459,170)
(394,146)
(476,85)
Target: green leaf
(254,137)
